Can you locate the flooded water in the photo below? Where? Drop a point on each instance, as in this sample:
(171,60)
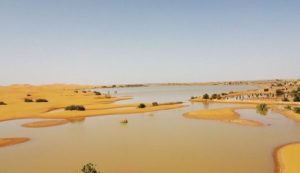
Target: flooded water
(160,142)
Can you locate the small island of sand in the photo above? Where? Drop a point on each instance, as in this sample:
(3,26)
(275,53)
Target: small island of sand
(287,158)
(12,141)
(223,114)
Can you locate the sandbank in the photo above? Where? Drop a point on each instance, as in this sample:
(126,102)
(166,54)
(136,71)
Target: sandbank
(286,158)
(12,141)
(45,123)
(225,115)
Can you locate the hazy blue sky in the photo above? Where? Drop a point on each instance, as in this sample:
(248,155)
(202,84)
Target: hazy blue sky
(106,42)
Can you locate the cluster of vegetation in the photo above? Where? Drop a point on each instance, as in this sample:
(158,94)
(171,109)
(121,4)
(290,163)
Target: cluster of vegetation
(141,105)
(205,96)
(2,103)
(154,104)
(28,95)
(193,97)
(28,100)
(75,91)
(285,99)
(41,100)
(266,89)
(75,108)
(97,93)
(84,91)
(89,168)
(215,96)
(262,109)
(288,107)
(297,110)
(296,94)
(124,121)
(279,92)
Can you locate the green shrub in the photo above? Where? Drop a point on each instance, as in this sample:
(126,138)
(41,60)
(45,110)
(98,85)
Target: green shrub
(2,103)
(28,100)
(193,97)
(141,105)
(262,109)
(89,168)
(97,93)
(41,100)
(214,96)
(279,92)
(75,108)
(288,107)
(205,96)
(297,99)
(285,99)
(154,104)
(297,110)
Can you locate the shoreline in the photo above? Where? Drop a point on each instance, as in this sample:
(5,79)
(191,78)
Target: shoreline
(268,102)
(278,157)
(45,123)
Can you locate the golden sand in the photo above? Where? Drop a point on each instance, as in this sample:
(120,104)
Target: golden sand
(287,158)
(223,114)
(46,123)
(60,96)
(12,141)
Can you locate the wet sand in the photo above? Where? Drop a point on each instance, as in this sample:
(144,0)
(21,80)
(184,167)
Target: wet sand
(288,113)
(12,141)
(46,123)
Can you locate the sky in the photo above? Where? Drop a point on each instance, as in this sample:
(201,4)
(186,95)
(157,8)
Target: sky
(148,41)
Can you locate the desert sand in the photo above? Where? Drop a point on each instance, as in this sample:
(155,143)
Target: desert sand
(59,96)
(287,158)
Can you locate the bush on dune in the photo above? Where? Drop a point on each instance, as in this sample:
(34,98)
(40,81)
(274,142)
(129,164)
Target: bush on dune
(154,104)
(75,108)
(2,103)
(285,99)
(141,105)
(41,100)
(97,93)
(205,96)
(28,100)
(297,110)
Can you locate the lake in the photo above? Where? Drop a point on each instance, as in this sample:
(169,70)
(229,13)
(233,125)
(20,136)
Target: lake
(160,142)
